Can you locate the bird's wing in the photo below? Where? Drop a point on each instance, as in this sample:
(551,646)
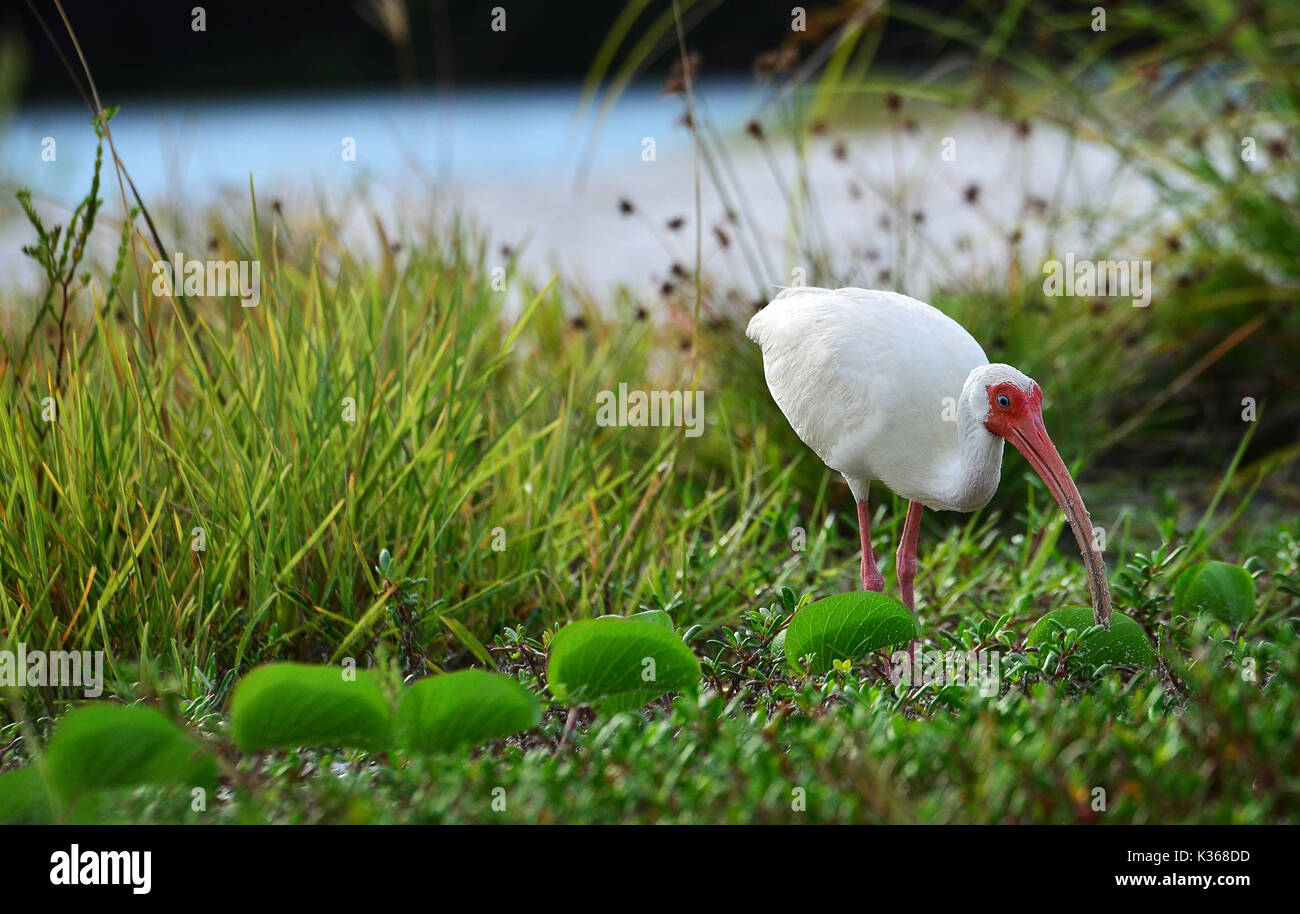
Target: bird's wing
(862,377)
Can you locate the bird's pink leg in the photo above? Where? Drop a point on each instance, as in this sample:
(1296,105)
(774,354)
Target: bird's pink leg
(906,562)
(906,558)
(872,579)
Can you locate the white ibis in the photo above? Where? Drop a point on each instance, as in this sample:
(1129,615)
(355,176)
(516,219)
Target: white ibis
(885,388)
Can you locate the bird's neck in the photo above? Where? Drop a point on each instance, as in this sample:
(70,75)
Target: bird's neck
(979,465)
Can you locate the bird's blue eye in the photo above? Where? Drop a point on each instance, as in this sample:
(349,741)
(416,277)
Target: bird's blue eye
(1004,401)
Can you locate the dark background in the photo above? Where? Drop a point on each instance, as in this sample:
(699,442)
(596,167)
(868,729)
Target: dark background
(147,46)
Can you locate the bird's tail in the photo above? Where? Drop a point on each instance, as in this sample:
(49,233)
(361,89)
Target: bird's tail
(761,322)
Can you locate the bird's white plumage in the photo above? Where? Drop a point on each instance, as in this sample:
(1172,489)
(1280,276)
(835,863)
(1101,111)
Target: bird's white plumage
(876,384)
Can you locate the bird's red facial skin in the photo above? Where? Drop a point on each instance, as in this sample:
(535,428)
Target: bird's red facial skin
(1020,411)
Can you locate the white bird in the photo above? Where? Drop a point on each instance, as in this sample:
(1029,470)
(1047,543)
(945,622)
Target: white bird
(885,388)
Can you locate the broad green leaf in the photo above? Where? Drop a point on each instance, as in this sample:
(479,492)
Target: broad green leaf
(445,712)
(103,745)
(657,616)
(619,664)
(1124,644)
(24,798)
(1226,592)
(847,626)
(286,705)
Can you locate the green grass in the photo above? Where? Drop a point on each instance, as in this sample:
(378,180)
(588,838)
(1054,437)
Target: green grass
(466,421)
(469,418)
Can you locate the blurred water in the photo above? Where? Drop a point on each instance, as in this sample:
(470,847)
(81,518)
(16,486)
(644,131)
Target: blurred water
(470,135)
(512,159)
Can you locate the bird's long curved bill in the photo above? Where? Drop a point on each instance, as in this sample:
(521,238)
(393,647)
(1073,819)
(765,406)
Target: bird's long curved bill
(1038,449)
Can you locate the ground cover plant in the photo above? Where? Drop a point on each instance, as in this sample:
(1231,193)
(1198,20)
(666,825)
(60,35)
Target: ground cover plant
(363,554)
